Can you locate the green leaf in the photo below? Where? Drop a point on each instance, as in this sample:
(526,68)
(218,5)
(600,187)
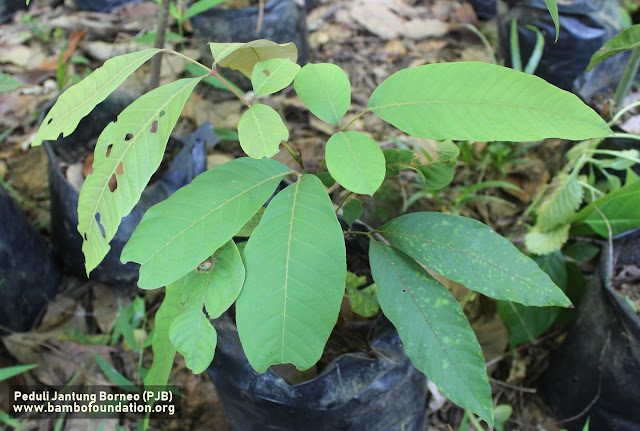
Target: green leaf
(396,160)
(273,75)
(296,271)
(220,279)
(352,210)
(250,226)
(8,372)
(552,5)
(436,175)
(9,83)
(581,251)
(135,142)
(163,350)
(326,178)
(244,56)
(542,242)
(176,235)
(363,302)
(619,207)
(261,130)
(76,102)
(626,39)
(199,7)
(355,161)
(470,253)
(113,375)
(434,331)
(482,102)
(447,151)
(526,324)
(4,416)
(325,90)
(559,206)
(191,332)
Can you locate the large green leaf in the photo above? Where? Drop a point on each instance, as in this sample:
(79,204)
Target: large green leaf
(434,331)
(355,161)
(526,324)
(620,209)
(296,270)
(482,102)
(273,75)
(75,103)
(260,131)
(191,332)
(131,149)
(244,56)
(163,350)
(469,252)
(220,277)
(325,90)
(628,38)
(176,235)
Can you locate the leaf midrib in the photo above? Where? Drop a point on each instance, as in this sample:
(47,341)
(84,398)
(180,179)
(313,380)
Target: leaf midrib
(286,272)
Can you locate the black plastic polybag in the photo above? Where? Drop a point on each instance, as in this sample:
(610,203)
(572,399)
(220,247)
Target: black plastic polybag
(595,374)
(585,25)
(29,275)
(190,162)
(9,7)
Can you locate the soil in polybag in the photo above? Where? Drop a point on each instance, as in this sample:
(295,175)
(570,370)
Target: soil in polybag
(595,374)
(9,7)
(29,275)
(189,161)
(283,21)
(101,5)
(585,25)
(375,389)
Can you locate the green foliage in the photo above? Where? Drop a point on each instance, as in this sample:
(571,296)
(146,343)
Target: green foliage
(292,277)
(325,89)
(7,373)
(8,83)
(287,296)
(626,39)
(261,130)
(362,300)
(482,102)
(356,162)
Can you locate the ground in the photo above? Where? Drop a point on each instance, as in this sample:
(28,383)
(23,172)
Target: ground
(371,40)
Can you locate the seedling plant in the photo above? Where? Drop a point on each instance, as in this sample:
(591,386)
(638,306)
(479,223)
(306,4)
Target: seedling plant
(289,280)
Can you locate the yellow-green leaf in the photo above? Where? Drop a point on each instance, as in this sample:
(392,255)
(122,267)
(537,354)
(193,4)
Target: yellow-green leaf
(244,56)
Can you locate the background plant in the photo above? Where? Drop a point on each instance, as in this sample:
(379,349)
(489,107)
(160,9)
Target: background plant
(290,279)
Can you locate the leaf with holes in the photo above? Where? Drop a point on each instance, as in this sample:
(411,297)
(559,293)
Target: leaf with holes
(163,350)
(191,332)
(325,89)
(355,161)
(482,102)
(221,281)
(176,235)
(260,131)
(469,252)
(296,270)
(273,75)
(628,38)
(244,56)
(78,101)
(434,331)
(129,149)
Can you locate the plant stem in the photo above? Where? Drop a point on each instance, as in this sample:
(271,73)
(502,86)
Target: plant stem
(354,119)
(296,157)
(171,51)
(214,72)
(161,32)
(356,232)
(623,111)
(343,201)
(627,78)
(324,160)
